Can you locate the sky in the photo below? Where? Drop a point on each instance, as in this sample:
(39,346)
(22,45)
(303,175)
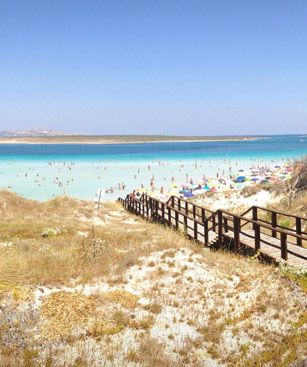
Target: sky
(154,67)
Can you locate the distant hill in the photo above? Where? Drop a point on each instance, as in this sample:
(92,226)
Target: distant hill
(31,133)
(57,137)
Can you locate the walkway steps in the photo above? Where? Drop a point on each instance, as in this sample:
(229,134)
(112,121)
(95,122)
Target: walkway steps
(248,230)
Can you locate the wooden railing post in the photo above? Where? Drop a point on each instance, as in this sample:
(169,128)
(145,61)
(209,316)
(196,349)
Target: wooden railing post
(255,215)
(194,211)
(236,225)
(274,223)
(173,201)
(176,219)
(195,230)
(185,223)
(186,208)
(220,226)
(169,216)
(213,223)
(283,246)
(179,204)
(225,225)
(206,233)
(163,211)
(298,226)
(203,216)
(257,236)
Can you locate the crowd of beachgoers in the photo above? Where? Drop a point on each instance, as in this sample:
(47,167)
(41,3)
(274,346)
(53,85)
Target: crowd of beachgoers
(256,174)
(160,179)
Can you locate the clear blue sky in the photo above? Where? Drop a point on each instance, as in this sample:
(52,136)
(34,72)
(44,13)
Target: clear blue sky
(154,67)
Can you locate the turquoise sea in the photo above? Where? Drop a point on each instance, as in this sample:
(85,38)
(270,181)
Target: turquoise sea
(43,171)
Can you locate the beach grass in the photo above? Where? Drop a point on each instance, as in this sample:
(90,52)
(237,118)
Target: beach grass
(80,287)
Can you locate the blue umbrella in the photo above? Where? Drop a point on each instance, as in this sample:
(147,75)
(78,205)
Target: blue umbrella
(240,179)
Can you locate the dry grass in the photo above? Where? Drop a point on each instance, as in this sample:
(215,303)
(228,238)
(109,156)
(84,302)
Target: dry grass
(113,289)
(82,250)
(63,311)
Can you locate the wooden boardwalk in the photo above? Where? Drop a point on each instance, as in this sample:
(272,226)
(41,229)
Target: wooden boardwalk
(246,231)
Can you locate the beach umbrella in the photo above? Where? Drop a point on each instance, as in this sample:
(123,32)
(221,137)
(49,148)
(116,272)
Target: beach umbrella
(188,194)
(240,179)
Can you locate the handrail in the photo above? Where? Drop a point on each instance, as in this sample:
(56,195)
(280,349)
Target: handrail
(212,219)
(248,210)
(170,213)
(289,233)
(225,212)
(280,213)
(241,217)
(172,200)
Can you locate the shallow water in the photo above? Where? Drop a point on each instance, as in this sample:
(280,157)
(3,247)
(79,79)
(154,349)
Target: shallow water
(44,171)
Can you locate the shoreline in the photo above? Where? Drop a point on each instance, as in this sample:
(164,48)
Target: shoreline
(42,141)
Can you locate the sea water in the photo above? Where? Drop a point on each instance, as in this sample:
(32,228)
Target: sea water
(43,171)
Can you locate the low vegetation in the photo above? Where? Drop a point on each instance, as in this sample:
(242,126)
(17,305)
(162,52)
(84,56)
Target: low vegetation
(85,288)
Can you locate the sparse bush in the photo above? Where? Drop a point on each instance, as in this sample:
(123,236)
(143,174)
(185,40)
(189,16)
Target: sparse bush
(298,181)
(153,354)
(154,307)
(251,190)
(49,232)
(285,223)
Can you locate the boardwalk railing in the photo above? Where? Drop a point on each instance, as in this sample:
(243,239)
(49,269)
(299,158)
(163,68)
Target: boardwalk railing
(257,228)
(275,219)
